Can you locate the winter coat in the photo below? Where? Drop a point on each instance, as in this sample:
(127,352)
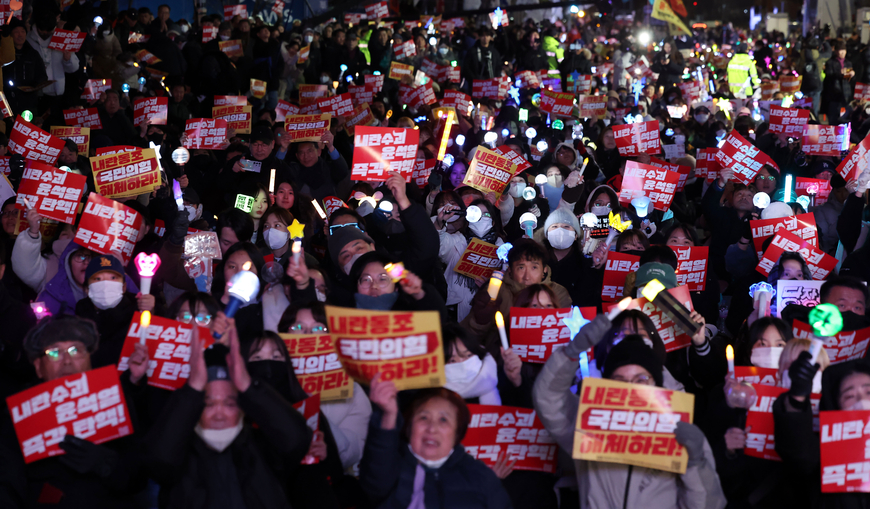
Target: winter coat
(481,63)
(725,224)
(826,223)
(611,485)
(28,263)
(388,469)
(112,325)
(836,88)
(349,422)
(55,65)
(322,179)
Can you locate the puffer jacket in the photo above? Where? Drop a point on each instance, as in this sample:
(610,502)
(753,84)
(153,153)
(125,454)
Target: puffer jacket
(612,485)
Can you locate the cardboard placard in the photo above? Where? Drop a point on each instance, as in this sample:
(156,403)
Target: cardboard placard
(513,157)
(756,375)
(126,174)
(706,165)
(583,85)
(862,92)
(424,95)
(362,115)
(692,263)
(258,88)
(117,149)
(843,451)
(107,226)
(285,109)
(789,122)
(422,170)
(592,106)
(856,162)
(331,204)
(378,150)
(232,48)
(317,367)
(54,193)
(672,335)
(682,171)
(745,158)
(89,118)
(160,228)
(232,10)
(399,70)
(306,127)
(760,439)
(205,133)
(377,82)
(845,346)
(237,117)
(404,347)
(557,103)
(790,84)
(338,105)
(536,333)
(151,110)
(95,88)
(489,171)
(459,100)
(405,49)
(362,94)
(825,140)
(168,343)
(143,55)
(634,139)
(303,54)
(89,405)
(377,10)
(768,90)
(631,424)
(33,143)
(616,268)
(641,180)
(66,40)
(479,260)
(802,225)
(822,188)
(209,33)
(80,135)
(516,432)
(803,293)
(528,79)
(310,410)
(230,100)
(495,88)
(820,263)
(309,94)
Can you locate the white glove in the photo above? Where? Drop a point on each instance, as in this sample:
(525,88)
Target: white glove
(652,230)
(536,211)
(574,179)
(863,181)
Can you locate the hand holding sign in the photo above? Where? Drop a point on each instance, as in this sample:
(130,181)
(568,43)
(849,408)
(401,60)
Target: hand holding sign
(384,395)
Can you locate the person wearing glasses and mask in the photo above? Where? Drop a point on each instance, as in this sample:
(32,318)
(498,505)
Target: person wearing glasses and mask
(87,474)
(376,290)
(254,167)
(348,418)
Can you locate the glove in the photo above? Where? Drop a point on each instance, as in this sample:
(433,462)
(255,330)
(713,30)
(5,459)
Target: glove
(484,307)
(863,181)
(85,457)
(178,228)
(536,211)
(590,335)
(574,179)
(435,180)
(692,438)
(801,373)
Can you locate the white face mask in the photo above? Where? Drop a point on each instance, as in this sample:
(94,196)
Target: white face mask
(192,212)
(463,372)
(600,210)
(224,37)
(308,39)
(349,265)
(276,238)
(106,294)
(106,33)
(516,189)
(766,357)
(324,79)
(365,208)
(862,404)
(554,180)
(702,117)
(443,51)
(481,227)
(321,297)
(561,238)
(219,439)
(647,341)
(817,384)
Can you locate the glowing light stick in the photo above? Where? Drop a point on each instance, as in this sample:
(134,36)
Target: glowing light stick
(243,288)
(761,200)
(729,354)
(670,306)
(826,320)
(540,180)
(296,249)
(575,321)
(319,210)
(761,293)
(641,206)
(619,308)
(494,284)
(272,181)
(147,266)
(396,271)
(788,181)
(499,322)
(144,323)
(529,193)
(178,195)
(589,220)
(446,136)
(528,222)
(473,214)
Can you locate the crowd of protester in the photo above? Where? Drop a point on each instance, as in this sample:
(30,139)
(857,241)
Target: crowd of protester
(230,437)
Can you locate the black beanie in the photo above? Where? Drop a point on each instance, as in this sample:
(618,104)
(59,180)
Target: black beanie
(633,350)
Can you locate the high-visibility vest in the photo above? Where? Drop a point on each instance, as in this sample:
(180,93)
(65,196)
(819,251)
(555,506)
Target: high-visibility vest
(742,75)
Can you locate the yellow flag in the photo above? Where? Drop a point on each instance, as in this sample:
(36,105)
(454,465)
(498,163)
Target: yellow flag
(663,11)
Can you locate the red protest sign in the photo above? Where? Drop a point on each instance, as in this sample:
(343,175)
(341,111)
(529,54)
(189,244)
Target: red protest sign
(168,345)
(756,375)
(516,432)
(153,111)
(536,333)
(94,88)
(760,440)
(856,162)
(378,150)
(160,228)
(33,143)
(592,106)
(284,109)
(527,79)
(107,226)
(377,10)
(205,133)
(306,127)
(618,266)
(494,88)
(317,367)
(479,260)
(232,48)
(361,115)
(768,90)
(706,164)
(278,7)
(237,117)
(424,95)
(331,204)
(517,159)
(646,180)
(209,33)
(682,171)
(117,149)
(89,405)
(672,335)
(405,49)
(825,140)
(820,263)
(788,121)
(489,171)
(80,135)
(634,139)
(803,226)
(146,56)
(309,94)
(54,193)
(363,94)
(459,100)
(338,105)
(862,92)
(557,103)
(583,84)
(692,267)
(743,157)
(230,100)
(310,410)
(789,84)
(126,174)
(845,346)
(377,82)
(232,10)
(399,70)
(89,117)
(820,188)
(422,169)
(66,40)
(843,451)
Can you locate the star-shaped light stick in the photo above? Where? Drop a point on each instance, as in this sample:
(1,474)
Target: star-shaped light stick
(575,321)
(296,230)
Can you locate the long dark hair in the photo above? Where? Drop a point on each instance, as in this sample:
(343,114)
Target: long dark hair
(638,318)
(297,394)
(750,336)
(217,287)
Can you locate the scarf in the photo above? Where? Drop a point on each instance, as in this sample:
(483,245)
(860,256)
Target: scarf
(219,439)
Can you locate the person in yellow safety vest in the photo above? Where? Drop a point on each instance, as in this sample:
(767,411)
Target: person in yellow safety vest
(742,75)
(364,45)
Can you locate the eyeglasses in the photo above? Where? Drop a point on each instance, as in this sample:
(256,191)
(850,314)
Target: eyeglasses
(770,178)
(383,281)
(82,258)
(335,227)
(639,379)
(201,318)
(10,213)
(307,330)
(259,144)
(54,353)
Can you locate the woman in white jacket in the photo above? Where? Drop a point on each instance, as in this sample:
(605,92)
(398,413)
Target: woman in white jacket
(30,262)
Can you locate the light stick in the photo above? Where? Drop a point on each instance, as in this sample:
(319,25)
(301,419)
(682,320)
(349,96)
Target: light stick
(620,307)
(495,284)
(319,210)
(147,266)
(396,271)
(499,322)
(272,181)
(528,222)
(243,288)
(144,323)
(178,195)
(729,354)
(669,304)
(446,136)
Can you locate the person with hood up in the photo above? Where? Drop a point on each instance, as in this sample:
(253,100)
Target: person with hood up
(561,236)
(539,206)
(612,485)
(470,370)
(57,63)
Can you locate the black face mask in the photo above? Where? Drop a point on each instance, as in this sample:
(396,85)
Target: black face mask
(632,252)
(853,321)
(275,374)
(156,138)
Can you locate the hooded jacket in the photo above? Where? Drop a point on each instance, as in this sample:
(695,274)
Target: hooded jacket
(55,65)
(28,263)
(61,294)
